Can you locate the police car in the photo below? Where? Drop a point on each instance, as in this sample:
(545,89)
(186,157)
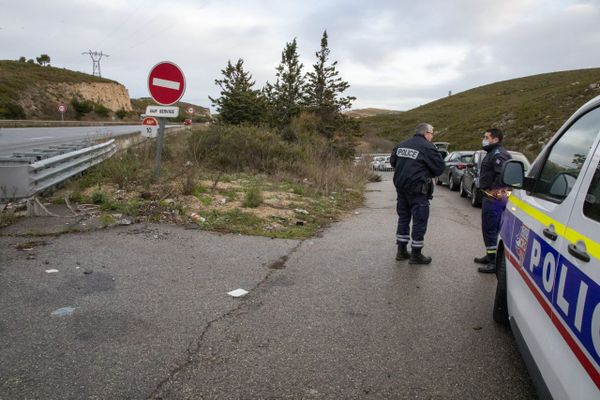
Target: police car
(548,263)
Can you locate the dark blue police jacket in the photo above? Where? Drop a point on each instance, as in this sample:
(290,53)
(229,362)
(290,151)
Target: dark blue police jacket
(415,162)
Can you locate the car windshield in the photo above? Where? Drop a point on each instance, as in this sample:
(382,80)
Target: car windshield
(466,158)
(379,159)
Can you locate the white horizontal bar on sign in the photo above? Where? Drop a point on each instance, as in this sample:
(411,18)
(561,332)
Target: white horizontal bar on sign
(162,111)
(166,83)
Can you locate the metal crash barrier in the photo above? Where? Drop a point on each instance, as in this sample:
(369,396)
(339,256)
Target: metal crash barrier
(24,175)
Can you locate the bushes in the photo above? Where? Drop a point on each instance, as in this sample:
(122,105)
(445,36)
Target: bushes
(242,148)
(11,110)
(81,107)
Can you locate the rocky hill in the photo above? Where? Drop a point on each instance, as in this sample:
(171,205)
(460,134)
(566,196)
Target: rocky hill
(530,110)
(31,91)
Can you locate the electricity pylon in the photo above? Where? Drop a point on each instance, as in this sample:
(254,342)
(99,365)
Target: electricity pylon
(96,57)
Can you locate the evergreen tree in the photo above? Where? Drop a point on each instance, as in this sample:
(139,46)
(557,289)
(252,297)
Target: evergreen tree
(324,88)
(285,97)
(238,103)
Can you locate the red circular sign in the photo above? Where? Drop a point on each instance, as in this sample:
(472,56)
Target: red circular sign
(166,83)
(62,108)
(150,121)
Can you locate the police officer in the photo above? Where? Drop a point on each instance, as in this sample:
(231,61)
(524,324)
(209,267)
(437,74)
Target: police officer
(415,161)
(493,196)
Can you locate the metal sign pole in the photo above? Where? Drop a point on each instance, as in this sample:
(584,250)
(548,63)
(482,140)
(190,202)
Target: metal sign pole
(61,116)
(159,146)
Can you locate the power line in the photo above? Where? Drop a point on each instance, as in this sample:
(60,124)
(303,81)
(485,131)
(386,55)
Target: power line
(96,57)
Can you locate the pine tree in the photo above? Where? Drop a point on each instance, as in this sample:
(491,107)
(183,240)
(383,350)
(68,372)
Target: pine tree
(285,97)
(238,103)
(324,88)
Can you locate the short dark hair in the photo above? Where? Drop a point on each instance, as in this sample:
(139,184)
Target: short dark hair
(496,133)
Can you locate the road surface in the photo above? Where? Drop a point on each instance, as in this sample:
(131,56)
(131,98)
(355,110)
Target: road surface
(142,312)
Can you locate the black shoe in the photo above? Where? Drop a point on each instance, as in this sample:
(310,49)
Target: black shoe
(402,253)
(417,258)
(482,260)
(487,269)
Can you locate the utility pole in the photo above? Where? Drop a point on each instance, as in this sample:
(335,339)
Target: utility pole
(96,57)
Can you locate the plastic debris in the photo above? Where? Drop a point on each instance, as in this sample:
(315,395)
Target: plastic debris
(51,271)
(238,293)
(63,312)
(301,211)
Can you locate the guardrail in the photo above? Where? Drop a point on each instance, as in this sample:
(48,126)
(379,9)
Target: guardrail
(27,174)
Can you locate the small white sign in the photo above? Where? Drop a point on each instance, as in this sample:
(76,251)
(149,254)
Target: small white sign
(162,111)
(149,131)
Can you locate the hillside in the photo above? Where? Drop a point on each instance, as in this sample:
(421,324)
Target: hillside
(529,110)
(30,91)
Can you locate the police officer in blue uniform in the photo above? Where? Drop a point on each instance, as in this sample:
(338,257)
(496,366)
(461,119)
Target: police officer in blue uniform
(494,196)
(415,161)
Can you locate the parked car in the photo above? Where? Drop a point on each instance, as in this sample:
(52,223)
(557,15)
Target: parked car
(376,161)
(469,184)
(385,165)
(442,148)
(456,164)
(548,260)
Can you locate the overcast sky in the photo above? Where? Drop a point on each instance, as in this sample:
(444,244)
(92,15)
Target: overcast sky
(395,54)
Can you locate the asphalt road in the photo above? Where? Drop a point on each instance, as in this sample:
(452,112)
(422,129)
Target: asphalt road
(23,139)
(331,317)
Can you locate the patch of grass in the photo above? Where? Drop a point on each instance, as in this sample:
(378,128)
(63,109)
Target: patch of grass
(98,197)
(107,220)
(205,199)
(253,197)
(231,194)
(199,190)
(234,221)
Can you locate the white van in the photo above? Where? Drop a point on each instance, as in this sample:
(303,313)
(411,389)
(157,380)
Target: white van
(548,263)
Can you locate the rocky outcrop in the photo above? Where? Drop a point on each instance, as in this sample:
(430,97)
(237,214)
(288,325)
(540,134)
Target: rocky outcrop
(113,96)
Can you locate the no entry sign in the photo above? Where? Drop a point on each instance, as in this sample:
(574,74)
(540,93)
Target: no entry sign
(166,83)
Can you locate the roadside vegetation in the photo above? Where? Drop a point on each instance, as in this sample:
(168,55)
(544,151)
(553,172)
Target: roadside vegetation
(278,162)
(529,110)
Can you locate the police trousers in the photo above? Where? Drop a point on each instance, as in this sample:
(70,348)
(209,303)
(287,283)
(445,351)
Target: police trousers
(491,220)
(415,207)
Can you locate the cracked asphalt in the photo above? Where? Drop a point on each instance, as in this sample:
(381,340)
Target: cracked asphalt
(142,312)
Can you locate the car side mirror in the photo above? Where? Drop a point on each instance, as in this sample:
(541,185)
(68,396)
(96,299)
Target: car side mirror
(513,174)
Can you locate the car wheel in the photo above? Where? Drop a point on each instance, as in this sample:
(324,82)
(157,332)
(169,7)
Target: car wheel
(438,181)
(451,184)
(461,189)
(475,200)
(500,313)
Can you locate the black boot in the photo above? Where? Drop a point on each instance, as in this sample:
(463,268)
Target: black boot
(402,253)
(482,260)
(490,267)
(417,258)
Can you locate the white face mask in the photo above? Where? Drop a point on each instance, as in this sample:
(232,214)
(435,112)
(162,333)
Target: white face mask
(485,142)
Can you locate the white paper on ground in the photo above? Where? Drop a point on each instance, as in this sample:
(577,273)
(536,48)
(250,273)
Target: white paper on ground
(237,293)
(51,271)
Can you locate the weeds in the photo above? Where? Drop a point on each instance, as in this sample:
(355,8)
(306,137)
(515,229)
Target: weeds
(253,197)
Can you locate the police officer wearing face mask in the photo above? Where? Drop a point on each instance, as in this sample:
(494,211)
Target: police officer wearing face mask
(415,161)
(494,196)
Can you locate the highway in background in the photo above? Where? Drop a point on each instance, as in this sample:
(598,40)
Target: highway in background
(25,139)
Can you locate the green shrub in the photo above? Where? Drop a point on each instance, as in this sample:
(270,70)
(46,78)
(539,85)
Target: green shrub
(99,197)
(102,111)
(11,110)
(242,148)
(253,197)
(81,107)
(121,113)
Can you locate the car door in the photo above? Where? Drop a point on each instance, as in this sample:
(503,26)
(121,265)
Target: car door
(471,172)
(537,279)
(447,163)
(577,295)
